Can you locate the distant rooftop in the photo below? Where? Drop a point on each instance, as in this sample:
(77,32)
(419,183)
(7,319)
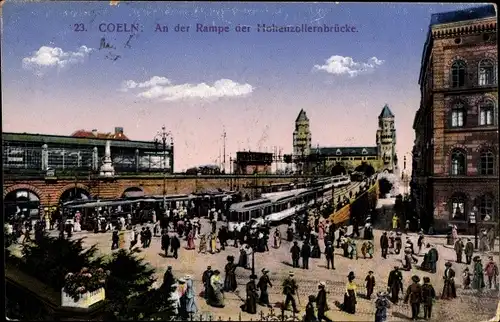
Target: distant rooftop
(462,15)
(302,116)
(386,112)
(117,135)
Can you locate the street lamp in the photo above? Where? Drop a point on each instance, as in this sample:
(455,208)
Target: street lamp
(473,220)
(162,138)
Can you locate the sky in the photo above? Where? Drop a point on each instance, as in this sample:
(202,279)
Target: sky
(91,65)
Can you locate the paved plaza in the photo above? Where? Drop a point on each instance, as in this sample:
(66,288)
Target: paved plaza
(468,306)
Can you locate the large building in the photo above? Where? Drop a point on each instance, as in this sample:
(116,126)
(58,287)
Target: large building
(338,160)
(455,156)
(248,162)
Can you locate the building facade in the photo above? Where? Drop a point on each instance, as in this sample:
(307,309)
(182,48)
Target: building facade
(342,160)
(455,154)
(248,162)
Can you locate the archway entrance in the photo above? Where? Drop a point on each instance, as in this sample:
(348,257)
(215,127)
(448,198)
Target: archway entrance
(74,194)
(21,202)
(338,170)
(366,168)
(133,192)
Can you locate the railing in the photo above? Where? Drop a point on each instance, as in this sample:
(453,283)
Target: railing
(272,315)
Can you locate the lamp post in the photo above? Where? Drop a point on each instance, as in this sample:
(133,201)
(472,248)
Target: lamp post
(162,138)
(473,220)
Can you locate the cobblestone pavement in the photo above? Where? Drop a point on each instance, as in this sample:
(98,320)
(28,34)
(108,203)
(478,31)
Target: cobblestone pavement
(469,306)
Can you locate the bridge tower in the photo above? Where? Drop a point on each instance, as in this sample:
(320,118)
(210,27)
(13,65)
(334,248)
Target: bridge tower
(301,140)
(386,140)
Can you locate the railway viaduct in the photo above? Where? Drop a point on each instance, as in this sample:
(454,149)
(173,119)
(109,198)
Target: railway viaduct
(50,190)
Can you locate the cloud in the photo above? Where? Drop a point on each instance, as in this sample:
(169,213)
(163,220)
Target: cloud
(47,57)
(340,65)
(162,88)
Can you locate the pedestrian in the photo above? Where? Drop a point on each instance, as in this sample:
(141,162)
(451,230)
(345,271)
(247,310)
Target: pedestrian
(310,315)
(305,252)
(459,248)
(370,284)
(433,258)
(175,244)
(148,237)
(205,279)
(322,302)
(466,280)
(469,251)
(190,240)
(491,271)
(353,249)
(190,296)
(134,236)
(277,238)
(329,254)
(156,229)
(230,284)
(264,282)
(407,260)
(250,305)
(428,297)
(350,300)
(384,244)
(381,306)
(168,278)
(414,296)
(213,243)
(215,297)
(454,233)
(478,278)
(114,240)
(165,243)
(397,243)
(420,241)
(289,290)
(143,237)
(395,284)
(449,291)
(202,247)
(295,251)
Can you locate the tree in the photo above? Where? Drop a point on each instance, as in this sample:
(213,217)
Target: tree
(385,186)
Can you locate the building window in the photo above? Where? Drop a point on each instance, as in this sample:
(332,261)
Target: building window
(458,115)
(458,163)
(486,73)
(457,205)
(487,163)
(486,206)
(486,112)
(458,73)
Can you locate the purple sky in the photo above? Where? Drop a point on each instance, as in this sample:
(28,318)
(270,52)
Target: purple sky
(57,80)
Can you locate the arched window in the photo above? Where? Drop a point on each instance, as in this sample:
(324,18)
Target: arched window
(458,73)
(457,207)
(486,206)
(486,73)
(458,115)
(458,163)
(487,163)
(486,113)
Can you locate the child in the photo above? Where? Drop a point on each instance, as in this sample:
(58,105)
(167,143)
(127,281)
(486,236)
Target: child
(370,284)
(466,278)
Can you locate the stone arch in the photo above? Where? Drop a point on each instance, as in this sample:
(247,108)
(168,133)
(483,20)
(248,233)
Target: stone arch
(338,169)
(457,147)
(126,189)
(455,58)
(71,186)
(485,147)
(23,186)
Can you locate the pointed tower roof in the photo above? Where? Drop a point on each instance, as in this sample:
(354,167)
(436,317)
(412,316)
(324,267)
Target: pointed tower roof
(386,112)
(302,116)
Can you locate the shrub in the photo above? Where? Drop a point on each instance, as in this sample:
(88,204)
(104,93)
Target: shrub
(87,280)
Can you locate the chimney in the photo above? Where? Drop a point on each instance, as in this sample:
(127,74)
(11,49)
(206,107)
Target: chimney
(118,130)
(94,132)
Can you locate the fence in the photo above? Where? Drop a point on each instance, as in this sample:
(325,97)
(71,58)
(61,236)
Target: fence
(279,316)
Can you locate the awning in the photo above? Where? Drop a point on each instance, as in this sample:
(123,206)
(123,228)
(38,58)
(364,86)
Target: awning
(133,194)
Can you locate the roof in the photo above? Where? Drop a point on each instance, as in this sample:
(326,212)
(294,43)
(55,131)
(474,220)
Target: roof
(90,134)
(386,112)
(450,17)
(346,151)
(302,116)
(69,140)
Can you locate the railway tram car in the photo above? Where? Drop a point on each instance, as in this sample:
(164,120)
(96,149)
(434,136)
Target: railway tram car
(341,181)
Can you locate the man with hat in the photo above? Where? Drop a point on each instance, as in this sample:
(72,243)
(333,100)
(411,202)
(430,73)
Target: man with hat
(329,254)
(491,271)
(478,277)
(469,251)
(305,252)
(395,284)
(459,248)
(321,302)
(250,305)
(449,291)
(205,279)
(370,284)
(264,281)
(381,306)
(295,251)
(289,290)
(433,257)
(384,244)
(168,278)
(414,295)
(428,297)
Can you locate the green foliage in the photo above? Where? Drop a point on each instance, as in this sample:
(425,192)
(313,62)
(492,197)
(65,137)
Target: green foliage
(52,258)
(87,280)
(385,186)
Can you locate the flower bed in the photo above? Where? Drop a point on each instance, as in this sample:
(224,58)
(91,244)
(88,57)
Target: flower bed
(84,288)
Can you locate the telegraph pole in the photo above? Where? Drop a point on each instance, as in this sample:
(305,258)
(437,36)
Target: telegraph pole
(224,151)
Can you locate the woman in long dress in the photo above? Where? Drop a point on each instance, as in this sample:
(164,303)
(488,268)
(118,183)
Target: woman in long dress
(243,260)
(191,307)
(190,240)
(321,230)
(478,277)
(349,304)
(213,243)
(121,239)
(277,238)
(454,233)
(78,226)
(216,299)
(202,248)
